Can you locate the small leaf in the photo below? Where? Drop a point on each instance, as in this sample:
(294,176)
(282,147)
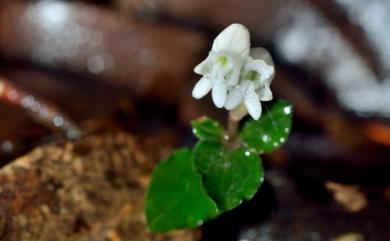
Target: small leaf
(228,176)
(207,129)
(271,130)
(176,198)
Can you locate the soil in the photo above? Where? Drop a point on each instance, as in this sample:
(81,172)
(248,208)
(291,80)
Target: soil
(91,189)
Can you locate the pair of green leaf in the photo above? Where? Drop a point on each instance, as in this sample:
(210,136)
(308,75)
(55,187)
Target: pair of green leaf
(264,135)
(193,186)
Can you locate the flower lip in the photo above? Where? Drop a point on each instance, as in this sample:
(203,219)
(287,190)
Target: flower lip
(222,60)
(262,55)
(258,72)
(252,75)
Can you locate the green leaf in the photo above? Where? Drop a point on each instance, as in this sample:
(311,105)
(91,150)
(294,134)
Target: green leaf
(207,129)
(271,130)
(176,198)
(229,176)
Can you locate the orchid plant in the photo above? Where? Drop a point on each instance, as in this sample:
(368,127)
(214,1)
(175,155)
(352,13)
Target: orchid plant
(224,168)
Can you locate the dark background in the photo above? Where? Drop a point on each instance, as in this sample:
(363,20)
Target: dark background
(72,68)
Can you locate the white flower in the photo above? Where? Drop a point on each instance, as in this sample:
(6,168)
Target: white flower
(236,74)
(221,69)
(254,85)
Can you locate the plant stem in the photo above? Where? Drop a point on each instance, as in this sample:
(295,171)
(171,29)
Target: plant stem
(232,127)
(235,116)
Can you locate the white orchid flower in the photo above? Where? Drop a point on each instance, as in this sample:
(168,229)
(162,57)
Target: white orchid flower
(254,85)
(234,73)
(221,69)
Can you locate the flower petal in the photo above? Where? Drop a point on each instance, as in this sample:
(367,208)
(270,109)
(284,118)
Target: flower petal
(234,98)
(264,93)
(219,93)
(235,76)
(233,39)
(263,54)
(252,103)
(202,88)
(203,67)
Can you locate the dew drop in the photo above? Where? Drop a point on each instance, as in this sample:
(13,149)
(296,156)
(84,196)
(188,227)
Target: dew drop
(7,146)
(58,121)
(43,111)
(36,107)
(282,139)
(28,101)
(95,64)
(247,153)
(74,133)
(12,95)
(275,144)
(286,130)
(262,179)
(265,138)
(287,110)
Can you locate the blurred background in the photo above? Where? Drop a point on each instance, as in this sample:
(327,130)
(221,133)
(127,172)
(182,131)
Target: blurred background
(72,68)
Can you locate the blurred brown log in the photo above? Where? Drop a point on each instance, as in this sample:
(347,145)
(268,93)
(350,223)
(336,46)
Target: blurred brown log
(149,59)
(92,189)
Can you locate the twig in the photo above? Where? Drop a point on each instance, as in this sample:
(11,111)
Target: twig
(40,110)
(351,32)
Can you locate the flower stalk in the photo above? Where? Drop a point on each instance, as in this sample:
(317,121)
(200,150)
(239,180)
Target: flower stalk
(234,118)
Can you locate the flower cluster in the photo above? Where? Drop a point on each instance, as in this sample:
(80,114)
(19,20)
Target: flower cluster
(234,73)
